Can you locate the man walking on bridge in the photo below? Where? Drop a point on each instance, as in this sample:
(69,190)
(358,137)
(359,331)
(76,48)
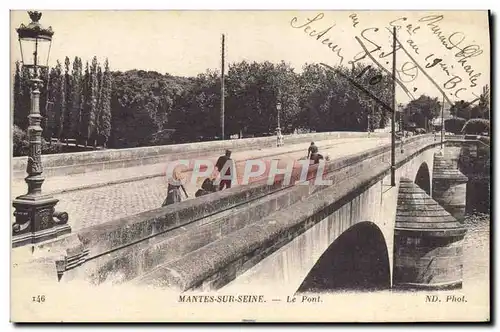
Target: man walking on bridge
(225,161)
(312,151)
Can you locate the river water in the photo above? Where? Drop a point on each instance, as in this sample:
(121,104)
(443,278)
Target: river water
(476,249)
(477,240)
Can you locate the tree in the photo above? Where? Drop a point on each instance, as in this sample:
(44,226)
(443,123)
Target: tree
(287,90)
(422,110)
(484,102)
(332,102)
(312,87)
(20,112)
(55,109)
(135,106)
(454,125)
(253,91)
(477,126)
(105,105)
(43,103)
(199,116)
(86,109)
(25,103)
(461,109)
(482,109)
(66,126)
(20,142)
(76,101)
(89,110)
(94,90)
(99,103)
(240,101)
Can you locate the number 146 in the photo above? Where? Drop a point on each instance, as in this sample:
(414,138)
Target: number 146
(39,298)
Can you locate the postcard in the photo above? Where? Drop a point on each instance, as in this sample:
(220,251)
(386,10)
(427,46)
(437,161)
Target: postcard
(250,166)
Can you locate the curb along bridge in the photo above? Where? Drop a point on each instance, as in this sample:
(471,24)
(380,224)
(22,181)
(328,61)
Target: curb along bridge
(360,232)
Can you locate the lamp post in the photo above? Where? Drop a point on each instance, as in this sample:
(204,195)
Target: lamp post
(278,129)
(394,109)
(368,124)
(36,219)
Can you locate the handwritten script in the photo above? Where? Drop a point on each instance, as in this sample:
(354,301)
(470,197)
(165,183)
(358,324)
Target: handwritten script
(460,76)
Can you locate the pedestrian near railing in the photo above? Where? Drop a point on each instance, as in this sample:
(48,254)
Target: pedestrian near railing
(174,188)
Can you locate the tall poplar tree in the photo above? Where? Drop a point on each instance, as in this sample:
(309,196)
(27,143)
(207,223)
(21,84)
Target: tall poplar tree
(20,113)
(25,103)
(99,103)
(85,123)
(93,115)
(75,104)
(55,103)
(44,105)
(66,102)
(105,101)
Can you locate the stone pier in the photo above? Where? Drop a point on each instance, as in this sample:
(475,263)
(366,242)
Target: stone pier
(428,251)
(449,185)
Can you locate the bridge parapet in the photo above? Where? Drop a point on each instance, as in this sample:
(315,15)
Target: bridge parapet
(83,162)
(215,265)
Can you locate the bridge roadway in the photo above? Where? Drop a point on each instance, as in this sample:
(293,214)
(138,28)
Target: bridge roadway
(97,197)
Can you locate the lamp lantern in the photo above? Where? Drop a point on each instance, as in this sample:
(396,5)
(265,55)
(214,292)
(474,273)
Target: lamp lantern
(35,43)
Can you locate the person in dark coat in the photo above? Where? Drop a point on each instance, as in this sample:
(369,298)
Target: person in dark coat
(207,187)
(223,160)
(313,149)
(316,158)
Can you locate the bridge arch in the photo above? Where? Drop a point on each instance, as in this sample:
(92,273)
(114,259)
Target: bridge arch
(423,178)
(357,260)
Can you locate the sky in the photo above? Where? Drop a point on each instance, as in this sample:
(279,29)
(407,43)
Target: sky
(186,43)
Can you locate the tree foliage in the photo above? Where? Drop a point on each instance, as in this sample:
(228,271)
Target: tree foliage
(454,125)
(477,126)
(20,143)
(142,103)
(95,105)
(22,98)
(65,128)
(55,103)
(482,109)
(421,111)
(253,93)
(20,110)
(75,103)
(461,109)
(104,122)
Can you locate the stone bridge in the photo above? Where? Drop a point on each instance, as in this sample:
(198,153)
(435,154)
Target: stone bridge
(360,232)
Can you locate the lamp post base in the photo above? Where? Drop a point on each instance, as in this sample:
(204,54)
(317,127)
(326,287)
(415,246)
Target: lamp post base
(279,137)
(37,237)
(36,220)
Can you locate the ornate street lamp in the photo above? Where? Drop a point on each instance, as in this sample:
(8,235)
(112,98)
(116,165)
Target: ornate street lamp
(278,130)
(36,219)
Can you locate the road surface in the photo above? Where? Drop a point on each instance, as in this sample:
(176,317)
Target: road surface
(87,207)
